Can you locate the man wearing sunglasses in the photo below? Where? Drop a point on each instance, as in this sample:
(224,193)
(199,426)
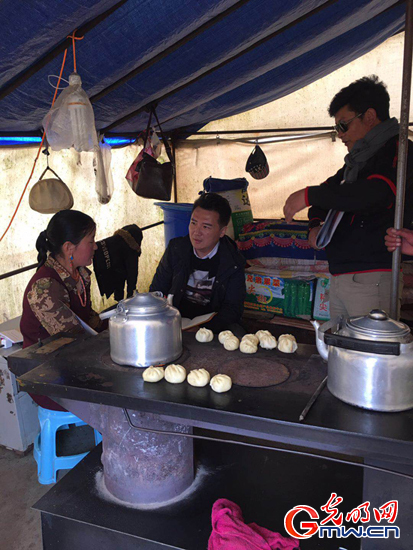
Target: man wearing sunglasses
(363,192)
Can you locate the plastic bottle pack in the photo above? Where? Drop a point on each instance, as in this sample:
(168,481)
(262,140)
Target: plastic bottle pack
(71,121)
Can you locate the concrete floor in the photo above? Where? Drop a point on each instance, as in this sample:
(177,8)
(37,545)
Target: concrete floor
(20,525)
(20,490)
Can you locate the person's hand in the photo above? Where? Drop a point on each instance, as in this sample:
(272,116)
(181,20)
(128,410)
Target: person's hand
(294,204)
(312,236)
(401,238)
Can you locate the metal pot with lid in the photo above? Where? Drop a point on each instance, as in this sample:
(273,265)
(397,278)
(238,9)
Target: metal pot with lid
(370,361)
(145,330)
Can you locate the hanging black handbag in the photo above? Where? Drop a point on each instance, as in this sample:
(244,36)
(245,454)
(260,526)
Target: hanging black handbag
(257,164)
(155,179)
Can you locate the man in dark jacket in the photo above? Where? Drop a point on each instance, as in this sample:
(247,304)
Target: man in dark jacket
(363,191)
(204,271)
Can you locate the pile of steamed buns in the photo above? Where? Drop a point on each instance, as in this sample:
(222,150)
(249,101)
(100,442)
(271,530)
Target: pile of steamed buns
(220,383)
(250,342)
(176,374)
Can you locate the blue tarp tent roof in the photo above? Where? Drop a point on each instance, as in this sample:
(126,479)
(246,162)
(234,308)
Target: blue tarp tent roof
(198,60)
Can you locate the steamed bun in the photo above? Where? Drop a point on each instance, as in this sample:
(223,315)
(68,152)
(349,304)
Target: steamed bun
(252,338)
(204,335)
(231,343)
(153,374)
(268,341)
(198,378)
(221,383)
(222,336)
(287,343)
(260,333)
(247,346)
(175,374)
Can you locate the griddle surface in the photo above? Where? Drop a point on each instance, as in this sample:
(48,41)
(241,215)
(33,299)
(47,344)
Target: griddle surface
(78,372)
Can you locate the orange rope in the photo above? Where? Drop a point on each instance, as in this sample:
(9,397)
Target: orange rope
(38,152)
(73,37)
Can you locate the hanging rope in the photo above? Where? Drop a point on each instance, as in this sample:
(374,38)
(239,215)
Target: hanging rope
(38,151)
(74,38)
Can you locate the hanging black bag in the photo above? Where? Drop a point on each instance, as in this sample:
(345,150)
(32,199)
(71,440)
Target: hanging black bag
(155,179)
(257,164)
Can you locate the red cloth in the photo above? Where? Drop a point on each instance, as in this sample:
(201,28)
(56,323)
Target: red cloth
(229,532)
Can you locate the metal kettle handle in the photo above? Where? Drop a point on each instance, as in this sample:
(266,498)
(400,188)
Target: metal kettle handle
(121,308)
(118,308)
(367,346)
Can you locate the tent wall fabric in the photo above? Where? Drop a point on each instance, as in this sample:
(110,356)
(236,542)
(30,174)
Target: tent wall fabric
(199,61)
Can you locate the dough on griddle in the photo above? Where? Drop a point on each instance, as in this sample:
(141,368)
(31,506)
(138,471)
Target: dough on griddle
(247,346)
(221,383)
(231,343)
(222,336)
(268,341)
(287,343)
(198,378)
(175,374)
(252,338)
(153,374)
(204,335)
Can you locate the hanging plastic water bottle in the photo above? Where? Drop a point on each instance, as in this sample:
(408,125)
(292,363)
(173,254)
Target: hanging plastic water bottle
(81,116)
(71,121)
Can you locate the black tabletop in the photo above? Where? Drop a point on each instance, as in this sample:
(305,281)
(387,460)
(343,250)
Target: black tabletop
(82,370)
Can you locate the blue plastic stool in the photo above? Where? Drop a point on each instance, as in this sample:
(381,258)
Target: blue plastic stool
(44,450)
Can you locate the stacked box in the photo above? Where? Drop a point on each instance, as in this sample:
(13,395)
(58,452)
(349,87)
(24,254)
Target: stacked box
(322,299)
(279,295)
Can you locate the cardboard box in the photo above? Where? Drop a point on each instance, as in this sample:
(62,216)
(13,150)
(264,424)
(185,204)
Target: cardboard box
(278,295)
(322,299)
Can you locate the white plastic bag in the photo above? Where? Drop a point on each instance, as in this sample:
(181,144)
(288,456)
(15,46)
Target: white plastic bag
(104,181)
(156,144)
(71,121)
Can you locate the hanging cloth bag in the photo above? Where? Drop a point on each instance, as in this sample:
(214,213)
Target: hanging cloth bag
(155,179)
(51,195)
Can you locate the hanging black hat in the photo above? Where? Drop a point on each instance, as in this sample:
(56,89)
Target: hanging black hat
(257,164)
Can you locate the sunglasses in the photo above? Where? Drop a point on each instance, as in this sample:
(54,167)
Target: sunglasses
(343,126)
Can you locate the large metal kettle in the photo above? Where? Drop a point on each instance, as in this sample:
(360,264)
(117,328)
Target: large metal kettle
(145,330)
(370,361)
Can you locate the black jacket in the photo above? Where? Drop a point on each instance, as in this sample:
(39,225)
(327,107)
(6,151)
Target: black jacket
(358,242)
(228,292)
(116,261)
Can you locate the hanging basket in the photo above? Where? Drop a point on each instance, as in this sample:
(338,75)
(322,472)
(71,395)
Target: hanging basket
(50,195)
(257,164)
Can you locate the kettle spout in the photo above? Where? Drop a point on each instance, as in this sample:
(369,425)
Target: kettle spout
(322,348)
(315,324)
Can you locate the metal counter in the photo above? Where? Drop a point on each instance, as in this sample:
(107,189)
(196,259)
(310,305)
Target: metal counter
(82,371)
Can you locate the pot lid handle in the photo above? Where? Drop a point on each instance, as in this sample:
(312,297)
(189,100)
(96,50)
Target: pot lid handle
(378,315)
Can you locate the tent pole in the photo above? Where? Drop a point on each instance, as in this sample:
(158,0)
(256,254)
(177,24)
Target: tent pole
(402,157)
(175,181)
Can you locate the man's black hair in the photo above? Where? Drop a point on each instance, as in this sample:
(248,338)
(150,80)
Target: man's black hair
(367,92)
(216,203)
